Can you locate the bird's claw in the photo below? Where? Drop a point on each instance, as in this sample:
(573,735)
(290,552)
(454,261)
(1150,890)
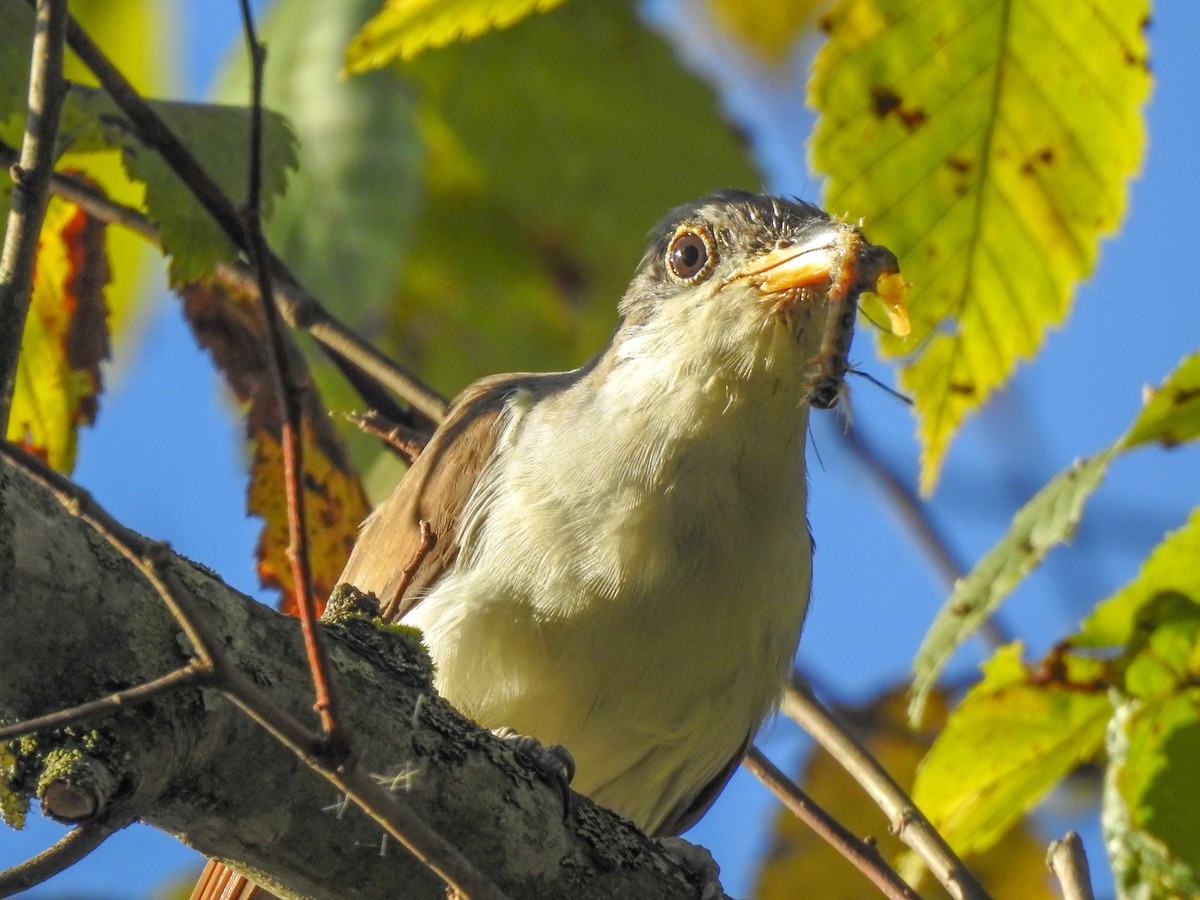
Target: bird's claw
(552,761)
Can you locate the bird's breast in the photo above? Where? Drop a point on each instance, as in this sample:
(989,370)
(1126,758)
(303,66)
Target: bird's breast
(632,588)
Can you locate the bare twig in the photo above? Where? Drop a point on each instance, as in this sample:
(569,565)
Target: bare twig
(68,850)
(185,676)
(1069,864)
(291,424)
(300,309)
(428,540)
(31,177)
(862,855)
(906,821)
(405,442)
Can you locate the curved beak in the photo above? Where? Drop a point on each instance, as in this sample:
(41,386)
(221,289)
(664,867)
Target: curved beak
(839,260)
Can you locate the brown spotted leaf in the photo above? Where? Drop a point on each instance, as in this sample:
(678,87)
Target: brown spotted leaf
(990,146)
(230,325)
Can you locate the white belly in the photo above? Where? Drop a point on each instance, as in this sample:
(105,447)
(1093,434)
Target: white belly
(638,604)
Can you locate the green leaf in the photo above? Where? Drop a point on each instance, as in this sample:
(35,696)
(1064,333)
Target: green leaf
(989,146)
(1013,737)
(403,28)
(1041,524)
(347,218)
(1171,415)
(219,138)
(1151,811)
(534,223)
(217,135)
(1170,569)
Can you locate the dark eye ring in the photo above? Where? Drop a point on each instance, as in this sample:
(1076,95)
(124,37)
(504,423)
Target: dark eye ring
(691,255)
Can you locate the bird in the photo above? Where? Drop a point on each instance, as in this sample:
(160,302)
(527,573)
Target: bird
(617,559)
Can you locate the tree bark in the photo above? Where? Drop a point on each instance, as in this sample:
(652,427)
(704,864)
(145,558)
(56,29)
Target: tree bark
(78,621)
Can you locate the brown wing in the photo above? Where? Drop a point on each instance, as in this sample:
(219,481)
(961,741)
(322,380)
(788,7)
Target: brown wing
(388,560)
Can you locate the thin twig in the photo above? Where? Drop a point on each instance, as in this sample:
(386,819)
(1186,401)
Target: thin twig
(186,676)
(1068,861)
(287,390)
(64,853)
(305,313)
(428,541)
(31,177)
(405,442)
(906,821)
(862,855)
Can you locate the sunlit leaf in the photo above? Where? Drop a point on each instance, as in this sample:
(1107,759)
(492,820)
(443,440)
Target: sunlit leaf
(1171,568)
(1013,737)
(134,32)
(403,28)
(769,29)
(231,327)
(1169,417)
(1040,525)
(1172,412)
(217,135)
(989,145)
(66,337)
(1152,792)
(800,864)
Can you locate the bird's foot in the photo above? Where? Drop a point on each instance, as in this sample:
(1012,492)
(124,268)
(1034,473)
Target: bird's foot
(552,761)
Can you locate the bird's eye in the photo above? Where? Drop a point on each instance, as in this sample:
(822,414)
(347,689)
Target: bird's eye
(691,255)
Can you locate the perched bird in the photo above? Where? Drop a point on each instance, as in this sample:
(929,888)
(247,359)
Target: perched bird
(621,556)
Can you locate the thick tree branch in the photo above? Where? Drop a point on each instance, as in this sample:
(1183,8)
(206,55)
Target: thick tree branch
(191,763)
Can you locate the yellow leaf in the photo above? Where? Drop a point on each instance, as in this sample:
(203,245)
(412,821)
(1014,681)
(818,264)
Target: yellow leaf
(66,337)
(1014,736)
(768,28)
(1171,415)
(403,28)
(141,34)
(1170,569)
(988,144)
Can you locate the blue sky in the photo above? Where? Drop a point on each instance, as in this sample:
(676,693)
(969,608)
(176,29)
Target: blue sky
(166,458)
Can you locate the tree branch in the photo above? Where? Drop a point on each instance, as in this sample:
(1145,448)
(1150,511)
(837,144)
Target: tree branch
(906,821)
(861,854)
(1069,864)
(31,177)
(68,850)
(192,764)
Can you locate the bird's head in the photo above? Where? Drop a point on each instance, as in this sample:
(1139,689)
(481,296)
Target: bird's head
(746,283)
